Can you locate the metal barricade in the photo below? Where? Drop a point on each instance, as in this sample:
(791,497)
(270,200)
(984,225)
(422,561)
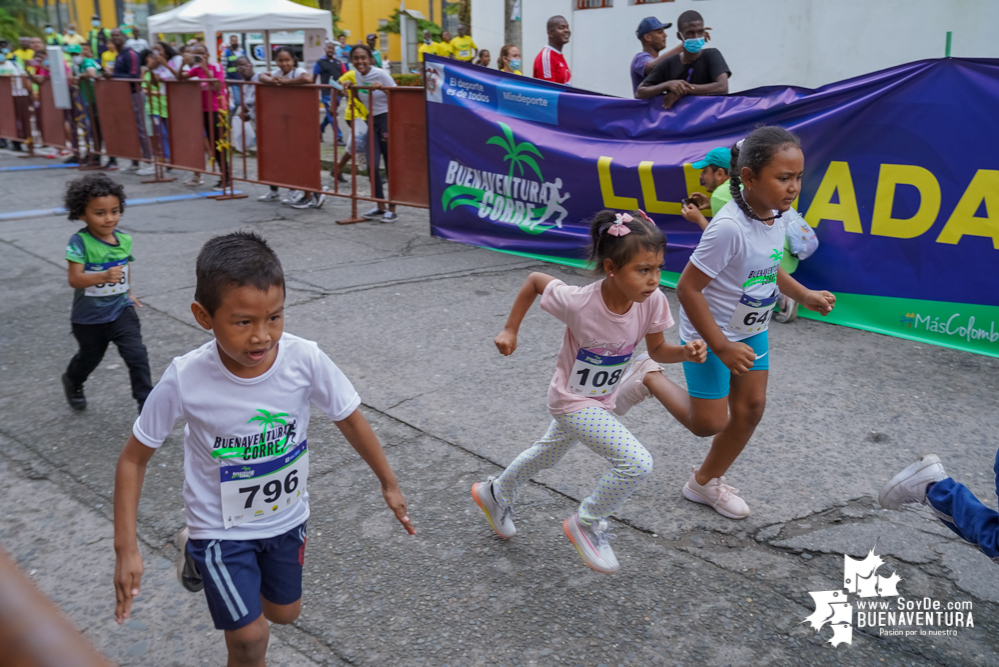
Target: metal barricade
(173,124)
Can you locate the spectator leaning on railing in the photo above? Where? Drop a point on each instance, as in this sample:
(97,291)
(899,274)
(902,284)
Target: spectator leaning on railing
(694,71)
(652,35)
(128,65)
(374,79)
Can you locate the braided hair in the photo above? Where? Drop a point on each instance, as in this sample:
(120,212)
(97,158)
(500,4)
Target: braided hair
(620,250)
(756,151)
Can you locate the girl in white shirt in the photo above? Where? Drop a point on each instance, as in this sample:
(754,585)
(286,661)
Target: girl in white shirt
(290,74)
(727,293)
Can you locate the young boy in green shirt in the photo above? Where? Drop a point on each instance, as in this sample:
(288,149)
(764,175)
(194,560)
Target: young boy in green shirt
(99,259)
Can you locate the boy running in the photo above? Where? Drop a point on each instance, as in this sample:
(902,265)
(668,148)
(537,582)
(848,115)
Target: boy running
(245,396)
(100,258)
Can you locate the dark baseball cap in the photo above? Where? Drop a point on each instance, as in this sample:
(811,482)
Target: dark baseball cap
(649,24)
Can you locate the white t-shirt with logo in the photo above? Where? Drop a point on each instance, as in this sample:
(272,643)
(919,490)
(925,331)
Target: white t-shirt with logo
(741,256)
(251,417)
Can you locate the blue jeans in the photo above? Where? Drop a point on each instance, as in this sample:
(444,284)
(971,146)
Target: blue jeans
(963,513)
(330,118)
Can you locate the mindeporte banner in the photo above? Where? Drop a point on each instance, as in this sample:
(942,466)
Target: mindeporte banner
(901,180)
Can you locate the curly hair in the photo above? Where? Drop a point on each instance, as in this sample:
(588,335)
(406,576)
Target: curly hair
(81,191)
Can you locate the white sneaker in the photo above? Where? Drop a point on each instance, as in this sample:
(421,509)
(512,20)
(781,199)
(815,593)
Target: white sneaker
(294,197)
(187,570)
(148,170)
(592,545)
(632,389)
(788,308)
(272,195)
(312,201)
(500,517)
(909,486)
(717,494)
(390,216)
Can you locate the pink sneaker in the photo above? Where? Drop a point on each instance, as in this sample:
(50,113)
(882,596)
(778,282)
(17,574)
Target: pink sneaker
(717,494)
(632,389)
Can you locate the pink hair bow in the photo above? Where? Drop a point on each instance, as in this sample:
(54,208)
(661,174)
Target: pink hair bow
(618,228)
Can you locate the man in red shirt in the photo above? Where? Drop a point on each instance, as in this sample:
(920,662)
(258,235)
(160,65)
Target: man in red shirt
(550,64)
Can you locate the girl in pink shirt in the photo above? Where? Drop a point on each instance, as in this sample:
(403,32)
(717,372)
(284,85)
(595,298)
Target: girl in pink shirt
(605,321)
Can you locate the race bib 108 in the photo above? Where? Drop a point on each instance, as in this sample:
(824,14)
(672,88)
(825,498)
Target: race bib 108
(252,492)
(595,375)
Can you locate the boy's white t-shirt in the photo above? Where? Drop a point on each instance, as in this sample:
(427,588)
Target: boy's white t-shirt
(741,256)
(220,410)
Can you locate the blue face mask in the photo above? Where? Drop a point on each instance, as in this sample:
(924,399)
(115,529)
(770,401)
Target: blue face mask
(693,45)
(48,31)
(96,24)
(5,50)
(45,63)
(515,64)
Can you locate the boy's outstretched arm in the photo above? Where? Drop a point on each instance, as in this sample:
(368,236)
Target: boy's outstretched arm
(535,284)
(363,439)
(128,477)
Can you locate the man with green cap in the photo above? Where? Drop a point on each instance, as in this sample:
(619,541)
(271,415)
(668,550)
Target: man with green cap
(714,177)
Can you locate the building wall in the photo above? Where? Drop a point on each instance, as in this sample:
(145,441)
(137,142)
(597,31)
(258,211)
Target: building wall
(360,17)
(806,43)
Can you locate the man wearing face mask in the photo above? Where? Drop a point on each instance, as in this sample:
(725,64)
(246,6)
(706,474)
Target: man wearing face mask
(52,38)
(98,37)
(72,36)
(693,71)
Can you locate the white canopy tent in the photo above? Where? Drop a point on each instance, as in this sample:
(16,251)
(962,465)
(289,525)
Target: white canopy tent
(213,16)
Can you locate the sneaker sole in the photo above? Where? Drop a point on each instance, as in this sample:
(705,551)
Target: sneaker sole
(920,464)
(579,550)
(478,502)
(694,496)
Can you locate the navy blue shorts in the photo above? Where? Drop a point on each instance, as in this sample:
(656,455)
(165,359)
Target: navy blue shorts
(238,572)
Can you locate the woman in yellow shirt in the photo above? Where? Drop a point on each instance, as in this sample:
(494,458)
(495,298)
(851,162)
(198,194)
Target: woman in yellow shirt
(509,59)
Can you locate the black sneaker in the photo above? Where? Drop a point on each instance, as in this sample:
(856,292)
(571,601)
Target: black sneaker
(74,394)
(187,571)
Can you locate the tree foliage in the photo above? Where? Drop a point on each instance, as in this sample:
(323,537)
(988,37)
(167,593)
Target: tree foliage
(394,25)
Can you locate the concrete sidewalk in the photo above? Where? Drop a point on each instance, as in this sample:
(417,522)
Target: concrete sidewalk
(410,319)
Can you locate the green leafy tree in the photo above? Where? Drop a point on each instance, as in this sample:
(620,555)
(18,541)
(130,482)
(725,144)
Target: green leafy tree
(19,18)
(394,25)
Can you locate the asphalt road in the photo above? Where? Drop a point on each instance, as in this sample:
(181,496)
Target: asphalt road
(411,319)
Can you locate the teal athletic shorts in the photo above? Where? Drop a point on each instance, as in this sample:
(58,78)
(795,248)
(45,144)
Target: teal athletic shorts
(710,380)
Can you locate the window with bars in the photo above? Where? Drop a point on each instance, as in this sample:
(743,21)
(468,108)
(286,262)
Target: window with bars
(593,4)
(383,43)
(650,2)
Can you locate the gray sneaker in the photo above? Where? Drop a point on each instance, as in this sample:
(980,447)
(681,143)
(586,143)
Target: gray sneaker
(592,545)
(294,197)
(373,213)
(909,486)
(500,516)
(390,216)
(187,571)
(272,195)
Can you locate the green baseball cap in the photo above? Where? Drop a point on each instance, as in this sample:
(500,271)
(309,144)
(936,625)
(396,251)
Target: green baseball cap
(718,157)
(73,48)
